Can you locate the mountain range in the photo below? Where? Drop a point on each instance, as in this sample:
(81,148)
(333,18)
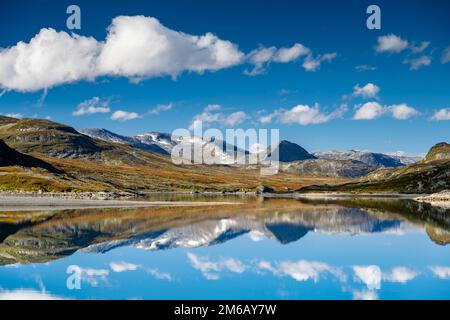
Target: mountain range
(100,160)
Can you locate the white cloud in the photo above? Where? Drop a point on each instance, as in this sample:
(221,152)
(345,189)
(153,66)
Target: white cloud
(313,64)
(365,295)
(373,110)
(265,119)
(441,272)
(235,118)
(417,63)
(93,276)
(260,57)
(391,43)
(256,235)
(161,108)
(14,115)
(370,90)
(123,266)
(160,275)
(441,115)
(284,55)
(445,58)
(136,47)
(121,115)
(302,270)
(50,58)
(420,48)
(141,47)
(369,275)
(211,114)
(402,111)
(364,67)
(400,274)
(207,116)
(27,294)
(304,115)
(211,269)
(92,106)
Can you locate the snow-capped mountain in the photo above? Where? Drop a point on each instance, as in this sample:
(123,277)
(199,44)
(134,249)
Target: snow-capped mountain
(371,158)
(105,135)
(284,228)
(404,158)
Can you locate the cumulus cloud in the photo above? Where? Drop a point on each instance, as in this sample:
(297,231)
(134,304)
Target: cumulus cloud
(391,43)
(123,266)
(211,269)
(161,108)
(441,115)
(93,276)
(303,115)
(441,272)
(50,58)
(313,64)
(369,275)
(92,106)
(141,47)
(121,115)
(136,47)
(402,111)
(400,274)
(212,114)
(417,63)
(260,57)
(373,110)
(370,90)
(235,118)
(302,270)
(159,274)
(445,58)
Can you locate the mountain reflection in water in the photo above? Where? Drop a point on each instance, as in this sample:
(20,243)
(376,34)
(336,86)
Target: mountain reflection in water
(45,236)
(254,249)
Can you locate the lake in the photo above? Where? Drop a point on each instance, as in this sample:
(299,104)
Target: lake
(253,248)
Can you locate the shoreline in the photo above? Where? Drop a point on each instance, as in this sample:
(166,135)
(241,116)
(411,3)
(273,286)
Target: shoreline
(24,203)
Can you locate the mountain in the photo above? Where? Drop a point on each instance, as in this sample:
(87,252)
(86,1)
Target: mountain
(163,140)
(10,157)
(371,158)
(289,151)
(329,168)
(91,164)
(427,176)
(440,151)
(105,135)
(404,158)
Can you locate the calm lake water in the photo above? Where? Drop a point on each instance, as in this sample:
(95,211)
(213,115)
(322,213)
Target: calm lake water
(254,249)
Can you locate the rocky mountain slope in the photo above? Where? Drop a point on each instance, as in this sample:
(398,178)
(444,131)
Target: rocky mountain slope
(329,168)
(427,176)
(105,135)
(370,158)
(289,151)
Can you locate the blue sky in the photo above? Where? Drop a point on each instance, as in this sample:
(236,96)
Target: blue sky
(407,60)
